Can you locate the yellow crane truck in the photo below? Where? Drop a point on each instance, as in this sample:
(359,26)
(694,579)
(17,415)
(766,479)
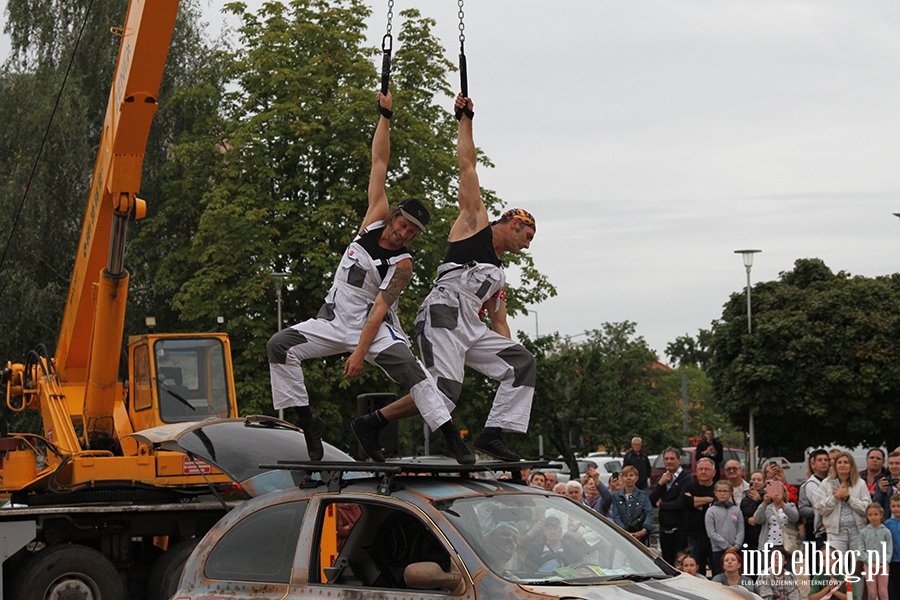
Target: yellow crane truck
(88,513)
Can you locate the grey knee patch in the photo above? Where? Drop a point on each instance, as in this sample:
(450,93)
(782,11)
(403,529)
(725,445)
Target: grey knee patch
(279,344)
(326,312)
(356,276)
(444,316)
(451,389)
(401,366)
(523,364)
(426,349)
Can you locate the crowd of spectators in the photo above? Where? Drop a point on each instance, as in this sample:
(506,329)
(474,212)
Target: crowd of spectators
(707,519)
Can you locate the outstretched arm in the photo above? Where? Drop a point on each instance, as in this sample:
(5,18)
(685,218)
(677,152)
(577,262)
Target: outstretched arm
(383,302)
(472,213)
(381,153)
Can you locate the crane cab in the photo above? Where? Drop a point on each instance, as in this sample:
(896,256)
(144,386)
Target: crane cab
(178,378)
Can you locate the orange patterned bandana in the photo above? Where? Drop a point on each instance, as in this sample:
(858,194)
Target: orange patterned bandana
(520,215)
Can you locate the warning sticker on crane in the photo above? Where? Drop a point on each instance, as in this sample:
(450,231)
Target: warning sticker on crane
(194,466)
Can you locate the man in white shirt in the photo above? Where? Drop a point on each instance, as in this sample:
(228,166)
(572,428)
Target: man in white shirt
(734,473)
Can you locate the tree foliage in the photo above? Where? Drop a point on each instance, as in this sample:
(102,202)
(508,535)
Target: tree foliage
(278,184)
(686,351)
(605,390)
(822,364)
(258,162)
(42,241)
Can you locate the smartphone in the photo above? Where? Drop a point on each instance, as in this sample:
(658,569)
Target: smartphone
(774,488)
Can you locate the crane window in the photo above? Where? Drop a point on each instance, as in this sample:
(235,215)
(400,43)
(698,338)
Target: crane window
(192,383)
(141,387)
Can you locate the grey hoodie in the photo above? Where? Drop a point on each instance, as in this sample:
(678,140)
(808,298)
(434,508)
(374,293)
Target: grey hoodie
(724,526)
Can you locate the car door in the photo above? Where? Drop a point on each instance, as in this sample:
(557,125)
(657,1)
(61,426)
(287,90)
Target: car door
(361,545)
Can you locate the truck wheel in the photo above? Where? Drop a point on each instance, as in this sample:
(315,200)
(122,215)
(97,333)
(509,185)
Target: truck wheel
(69,571)
(166,573)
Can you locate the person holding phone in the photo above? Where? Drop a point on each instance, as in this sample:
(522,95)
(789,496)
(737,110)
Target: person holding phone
(752,500)
(776,514)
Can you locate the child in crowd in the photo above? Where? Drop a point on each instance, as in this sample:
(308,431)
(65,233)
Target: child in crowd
(875,550)
(689,566)
(893,525)
(724,524)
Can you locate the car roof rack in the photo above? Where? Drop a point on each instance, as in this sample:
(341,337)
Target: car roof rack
(331,472)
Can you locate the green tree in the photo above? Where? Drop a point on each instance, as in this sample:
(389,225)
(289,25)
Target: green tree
(687,351)
(287,190)
(605,390)
(42,241)
(822,364)
(703,407)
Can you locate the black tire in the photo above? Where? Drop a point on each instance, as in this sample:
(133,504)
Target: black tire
(69,571)
(166,572)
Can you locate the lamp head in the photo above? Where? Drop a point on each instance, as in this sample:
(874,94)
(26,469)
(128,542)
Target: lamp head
(748,256)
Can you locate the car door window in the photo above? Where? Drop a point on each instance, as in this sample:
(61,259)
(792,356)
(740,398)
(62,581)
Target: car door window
(259,548)
(375,548)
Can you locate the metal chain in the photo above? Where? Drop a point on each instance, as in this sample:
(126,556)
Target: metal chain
(390,15)
(462,25)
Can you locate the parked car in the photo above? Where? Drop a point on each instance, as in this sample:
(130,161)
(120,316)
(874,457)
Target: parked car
(689,461)
(405,529)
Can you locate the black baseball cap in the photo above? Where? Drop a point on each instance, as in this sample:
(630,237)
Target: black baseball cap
(416,211)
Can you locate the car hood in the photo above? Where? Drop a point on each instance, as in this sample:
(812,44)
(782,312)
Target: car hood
(239,446)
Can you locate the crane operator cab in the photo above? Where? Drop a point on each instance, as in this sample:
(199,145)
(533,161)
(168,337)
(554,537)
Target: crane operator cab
(180,378)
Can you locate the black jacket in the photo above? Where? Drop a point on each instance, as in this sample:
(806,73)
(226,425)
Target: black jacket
(671,510)
(641,462)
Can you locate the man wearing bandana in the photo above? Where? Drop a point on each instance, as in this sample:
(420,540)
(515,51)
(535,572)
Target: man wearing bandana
(448,329)
(359,312)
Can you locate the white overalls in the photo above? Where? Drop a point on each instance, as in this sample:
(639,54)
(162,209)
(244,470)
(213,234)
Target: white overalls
(337,328)
(451,336)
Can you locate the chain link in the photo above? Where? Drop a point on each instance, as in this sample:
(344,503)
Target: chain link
(390,15)
(462,25)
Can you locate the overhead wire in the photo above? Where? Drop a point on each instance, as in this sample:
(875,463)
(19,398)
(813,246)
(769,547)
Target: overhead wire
(44,139)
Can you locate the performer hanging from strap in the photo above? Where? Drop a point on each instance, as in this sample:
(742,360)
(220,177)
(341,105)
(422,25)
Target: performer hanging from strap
(359,312)
(448,329)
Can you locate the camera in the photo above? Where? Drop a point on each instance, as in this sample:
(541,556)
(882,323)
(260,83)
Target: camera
(892,481)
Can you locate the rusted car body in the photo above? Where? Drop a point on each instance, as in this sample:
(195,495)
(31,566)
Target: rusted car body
(417,529)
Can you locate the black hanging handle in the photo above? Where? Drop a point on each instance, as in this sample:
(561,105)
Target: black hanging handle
(463,74)
(387,43)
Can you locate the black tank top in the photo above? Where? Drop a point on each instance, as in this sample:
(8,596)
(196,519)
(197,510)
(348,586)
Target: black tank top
(477,248)
(381,256)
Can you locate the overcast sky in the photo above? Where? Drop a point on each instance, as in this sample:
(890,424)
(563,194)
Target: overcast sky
(652,139)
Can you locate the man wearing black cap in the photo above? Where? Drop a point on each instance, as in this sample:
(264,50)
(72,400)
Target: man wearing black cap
(449,330)
(359,312)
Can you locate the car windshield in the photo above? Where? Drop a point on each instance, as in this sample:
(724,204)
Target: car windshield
(528,538)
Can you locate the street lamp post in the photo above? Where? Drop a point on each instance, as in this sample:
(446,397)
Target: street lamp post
(279,282)
(748,263)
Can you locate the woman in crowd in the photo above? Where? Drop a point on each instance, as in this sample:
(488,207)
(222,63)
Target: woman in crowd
(842,500)
(753,497)
(775,515)
(731,572)
(631,508)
